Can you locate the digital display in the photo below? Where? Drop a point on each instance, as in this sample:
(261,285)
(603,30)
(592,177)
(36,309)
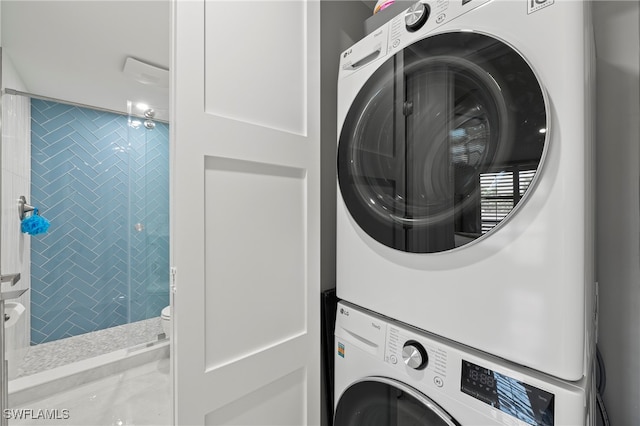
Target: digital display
(520,400)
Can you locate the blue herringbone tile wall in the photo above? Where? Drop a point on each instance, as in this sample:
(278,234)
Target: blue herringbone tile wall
(94,177)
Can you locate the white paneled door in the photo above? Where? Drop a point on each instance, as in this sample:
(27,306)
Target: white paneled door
(246,218)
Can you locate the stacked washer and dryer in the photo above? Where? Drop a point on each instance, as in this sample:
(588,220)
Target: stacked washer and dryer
(465,209)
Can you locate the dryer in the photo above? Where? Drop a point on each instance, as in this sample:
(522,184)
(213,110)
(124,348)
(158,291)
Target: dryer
(387,373)
(465,177)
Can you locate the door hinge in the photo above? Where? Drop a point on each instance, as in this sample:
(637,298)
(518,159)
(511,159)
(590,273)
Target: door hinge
(407,108)
(173,271)
(596,310)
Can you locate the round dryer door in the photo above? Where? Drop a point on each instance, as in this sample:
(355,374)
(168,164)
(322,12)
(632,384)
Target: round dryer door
(378,401)
(442,142)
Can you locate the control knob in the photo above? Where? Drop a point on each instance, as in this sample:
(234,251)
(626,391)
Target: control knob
(414,355)
(416,16)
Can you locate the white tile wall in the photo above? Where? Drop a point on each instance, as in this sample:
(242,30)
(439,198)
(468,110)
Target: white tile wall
(16,172)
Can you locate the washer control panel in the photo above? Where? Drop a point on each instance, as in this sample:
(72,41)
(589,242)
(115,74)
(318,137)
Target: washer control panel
(417,356)
(414,355)
(513,397)
(378,346)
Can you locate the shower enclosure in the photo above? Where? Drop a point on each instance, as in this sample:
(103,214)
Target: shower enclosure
(148,215)
(100,275)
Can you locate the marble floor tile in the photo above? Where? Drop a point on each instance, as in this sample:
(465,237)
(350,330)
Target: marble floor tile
(139,396)
(46,356)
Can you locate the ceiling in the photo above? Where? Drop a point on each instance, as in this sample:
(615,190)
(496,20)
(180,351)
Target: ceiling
(75,50)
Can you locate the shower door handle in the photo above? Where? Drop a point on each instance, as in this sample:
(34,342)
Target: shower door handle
(12,278)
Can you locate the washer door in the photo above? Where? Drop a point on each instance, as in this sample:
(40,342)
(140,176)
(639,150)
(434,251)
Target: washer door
(442,142)
(378,401)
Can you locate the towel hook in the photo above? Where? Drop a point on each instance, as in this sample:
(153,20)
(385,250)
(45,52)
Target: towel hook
(23,207)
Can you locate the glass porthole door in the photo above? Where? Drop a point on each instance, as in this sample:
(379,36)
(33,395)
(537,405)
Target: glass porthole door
(442,142)
(378,401)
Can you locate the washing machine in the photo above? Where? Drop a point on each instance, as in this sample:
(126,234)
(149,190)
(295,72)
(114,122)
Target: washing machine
(387,373)
(465,177)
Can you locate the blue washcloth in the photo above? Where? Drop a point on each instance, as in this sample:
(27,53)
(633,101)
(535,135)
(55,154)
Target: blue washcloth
(34,224)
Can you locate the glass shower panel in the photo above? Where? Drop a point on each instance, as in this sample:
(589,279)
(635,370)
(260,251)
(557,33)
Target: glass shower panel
(148,218)
(102,179)
(99,277)
(78,180)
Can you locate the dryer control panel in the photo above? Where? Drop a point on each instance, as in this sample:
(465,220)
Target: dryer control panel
(405,28)
(425,17)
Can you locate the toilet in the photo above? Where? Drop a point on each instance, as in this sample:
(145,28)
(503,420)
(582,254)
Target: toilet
(165,317)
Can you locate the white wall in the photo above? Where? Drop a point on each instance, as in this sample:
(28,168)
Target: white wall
(618,223)
(342,25)
(16,180)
